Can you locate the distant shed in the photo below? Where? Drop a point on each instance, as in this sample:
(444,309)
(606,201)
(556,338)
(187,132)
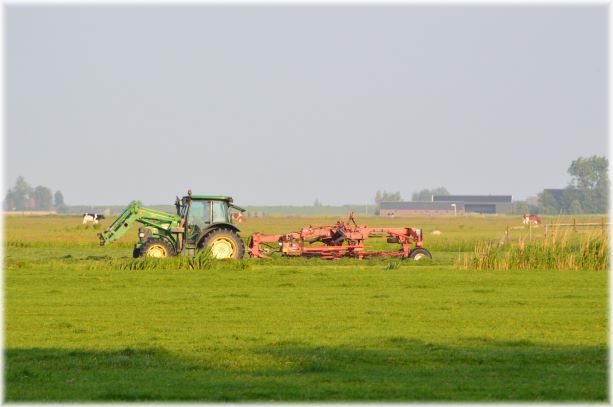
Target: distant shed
(444,205)
(480,203)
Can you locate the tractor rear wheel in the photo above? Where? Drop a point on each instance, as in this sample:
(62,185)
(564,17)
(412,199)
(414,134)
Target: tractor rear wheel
(224,244)
(419,254)
(156,248)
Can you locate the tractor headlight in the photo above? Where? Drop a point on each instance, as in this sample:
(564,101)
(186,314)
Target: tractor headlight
(141,234)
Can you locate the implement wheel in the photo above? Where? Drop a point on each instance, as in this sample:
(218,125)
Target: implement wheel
(156,248)
(224,244)
(419,254)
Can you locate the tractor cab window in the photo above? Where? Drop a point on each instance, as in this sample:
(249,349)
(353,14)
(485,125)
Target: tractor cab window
(220,211)
(198,218)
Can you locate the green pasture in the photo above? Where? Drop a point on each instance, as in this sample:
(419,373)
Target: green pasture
(80,326)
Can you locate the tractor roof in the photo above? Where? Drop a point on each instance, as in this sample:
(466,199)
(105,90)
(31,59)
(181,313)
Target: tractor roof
(212,197)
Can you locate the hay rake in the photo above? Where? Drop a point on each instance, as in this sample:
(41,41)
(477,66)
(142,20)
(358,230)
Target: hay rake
(342,239)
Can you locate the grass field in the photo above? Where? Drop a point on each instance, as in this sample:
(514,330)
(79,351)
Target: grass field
(79,328)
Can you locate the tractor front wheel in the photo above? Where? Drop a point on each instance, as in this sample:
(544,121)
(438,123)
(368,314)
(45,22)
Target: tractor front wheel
(224,244)
(156,248)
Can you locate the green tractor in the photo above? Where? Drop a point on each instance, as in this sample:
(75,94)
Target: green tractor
(201,222)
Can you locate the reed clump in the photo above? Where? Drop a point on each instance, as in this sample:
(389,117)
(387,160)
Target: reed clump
(565,251)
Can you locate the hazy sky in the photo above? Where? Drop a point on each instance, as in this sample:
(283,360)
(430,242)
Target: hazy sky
(282,105)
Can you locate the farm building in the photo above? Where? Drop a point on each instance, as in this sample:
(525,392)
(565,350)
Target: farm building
(449,204)
(479,203)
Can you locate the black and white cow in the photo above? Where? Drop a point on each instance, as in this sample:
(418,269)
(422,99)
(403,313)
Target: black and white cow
(92,217)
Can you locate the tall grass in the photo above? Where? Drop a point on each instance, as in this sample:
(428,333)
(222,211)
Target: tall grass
(557,252)
(202,262)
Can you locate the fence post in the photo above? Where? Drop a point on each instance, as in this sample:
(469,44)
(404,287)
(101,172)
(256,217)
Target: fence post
(574,224)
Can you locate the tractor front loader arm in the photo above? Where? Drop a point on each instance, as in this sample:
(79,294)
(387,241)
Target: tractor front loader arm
(135,213)
(119,227)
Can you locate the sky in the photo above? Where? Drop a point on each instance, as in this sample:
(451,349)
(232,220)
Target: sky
(282,105)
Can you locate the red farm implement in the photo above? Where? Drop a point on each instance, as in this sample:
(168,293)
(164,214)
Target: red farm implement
(343,239)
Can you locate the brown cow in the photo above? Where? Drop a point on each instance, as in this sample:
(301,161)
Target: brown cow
(530,219)
(238,217)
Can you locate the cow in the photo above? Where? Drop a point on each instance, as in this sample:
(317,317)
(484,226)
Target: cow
(237,217)
(92,217)
(530,219)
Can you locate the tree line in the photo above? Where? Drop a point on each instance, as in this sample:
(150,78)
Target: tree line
(23,197)
(423,195)
(587,191)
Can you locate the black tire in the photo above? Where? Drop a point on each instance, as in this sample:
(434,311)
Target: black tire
(420,253)
(136,252)
(156,248)
(224,244)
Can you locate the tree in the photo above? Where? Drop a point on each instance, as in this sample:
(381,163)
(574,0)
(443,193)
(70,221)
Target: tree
(21,193)
(587,192)
(43,198)
(58,202)
(575,207)
(9,201)
(426,194)
(590,179)
(589,173)
(387,197)
(317,204)
(547,204)
(569,195)
(58,199)
(519,207)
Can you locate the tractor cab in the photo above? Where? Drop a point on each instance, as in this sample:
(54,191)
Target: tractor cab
(202,214)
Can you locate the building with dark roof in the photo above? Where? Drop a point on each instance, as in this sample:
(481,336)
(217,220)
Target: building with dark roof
(449,205)
(480,203)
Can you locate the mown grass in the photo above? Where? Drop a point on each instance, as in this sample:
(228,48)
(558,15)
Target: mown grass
(85,323)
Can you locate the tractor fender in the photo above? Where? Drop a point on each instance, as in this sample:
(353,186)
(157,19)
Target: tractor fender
(221,225)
